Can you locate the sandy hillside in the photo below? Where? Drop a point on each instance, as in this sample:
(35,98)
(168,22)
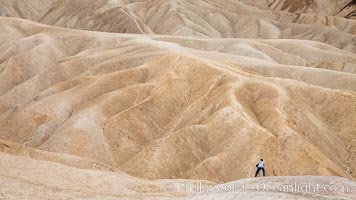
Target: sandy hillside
(340,8)
(26,178)
(203,18)
(155,91)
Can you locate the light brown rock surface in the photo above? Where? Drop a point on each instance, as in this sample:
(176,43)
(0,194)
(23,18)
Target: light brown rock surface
(203,18)
(223,87)
(341,8)
(24,178)
(283,187)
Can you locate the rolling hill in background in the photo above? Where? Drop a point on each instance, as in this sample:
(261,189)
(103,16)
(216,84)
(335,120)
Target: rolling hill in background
(127,96)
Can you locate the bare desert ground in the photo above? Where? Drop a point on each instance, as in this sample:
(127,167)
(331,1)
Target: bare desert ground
(114,99)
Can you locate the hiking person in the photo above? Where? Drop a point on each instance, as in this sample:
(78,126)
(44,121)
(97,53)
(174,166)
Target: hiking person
(260,166)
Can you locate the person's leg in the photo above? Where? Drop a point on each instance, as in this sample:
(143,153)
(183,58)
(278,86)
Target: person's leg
(264,172)
(257,171)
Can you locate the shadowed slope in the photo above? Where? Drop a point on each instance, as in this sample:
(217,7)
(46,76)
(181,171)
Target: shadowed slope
(342,8)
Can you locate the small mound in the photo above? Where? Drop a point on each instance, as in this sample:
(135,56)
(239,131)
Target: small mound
(286,187)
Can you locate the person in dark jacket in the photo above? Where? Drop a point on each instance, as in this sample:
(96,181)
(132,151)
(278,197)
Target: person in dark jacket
(260,166)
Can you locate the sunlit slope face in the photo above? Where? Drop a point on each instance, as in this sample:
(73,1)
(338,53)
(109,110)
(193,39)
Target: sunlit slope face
(176,107)
(112,93)
(222,19)
(43,179)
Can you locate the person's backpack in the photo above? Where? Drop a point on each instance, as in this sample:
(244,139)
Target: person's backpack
(257,165)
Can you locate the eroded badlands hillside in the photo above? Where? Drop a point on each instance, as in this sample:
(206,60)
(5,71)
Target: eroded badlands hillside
(207,89)
(341,8)
(203,18)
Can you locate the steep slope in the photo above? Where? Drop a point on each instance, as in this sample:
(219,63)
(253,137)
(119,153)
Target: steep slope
(27,9)
(70,160)
(211,18)
(343,8)
(174,111)
(138,99)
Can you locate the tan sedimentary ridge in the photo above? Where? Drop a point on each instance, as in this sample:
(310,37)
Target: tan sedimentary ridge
(213,18)
(342,8)
(48,180)
(127,100)
(178,91)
